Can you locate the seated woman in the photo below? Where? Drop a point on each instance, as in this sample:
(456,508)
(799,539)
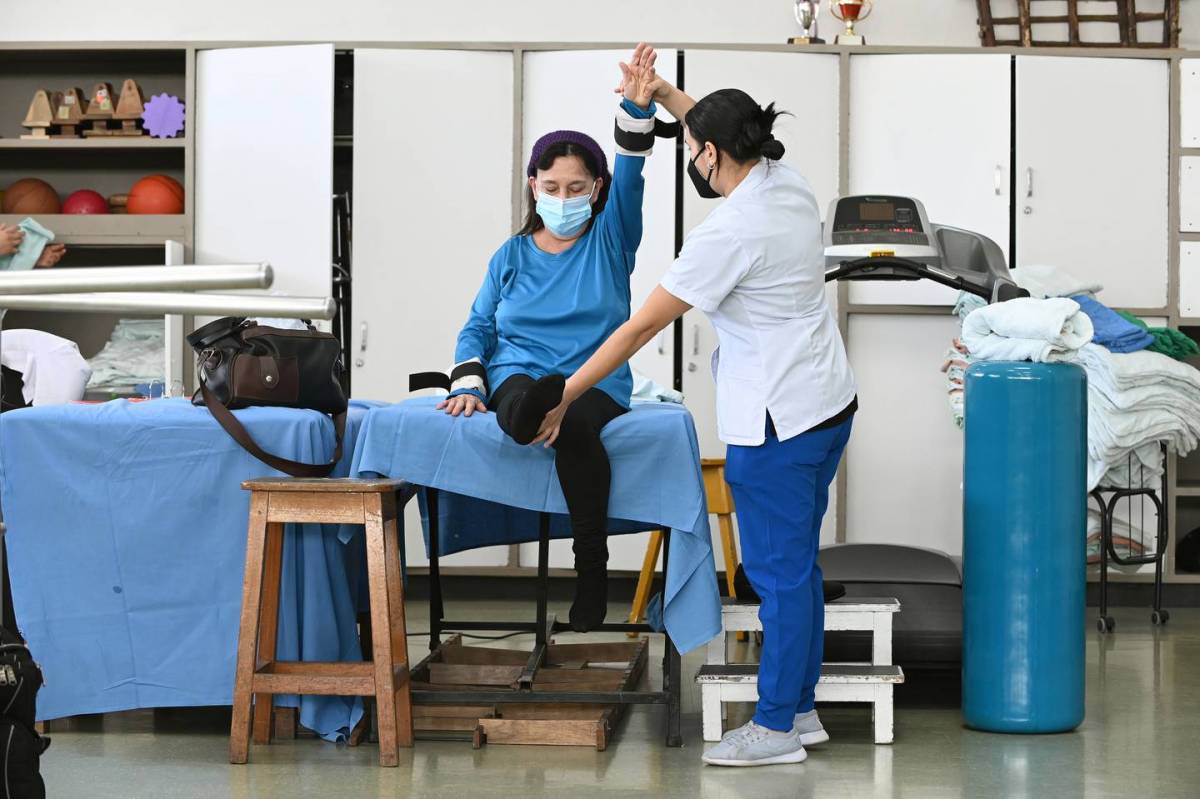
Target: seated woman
(551,296)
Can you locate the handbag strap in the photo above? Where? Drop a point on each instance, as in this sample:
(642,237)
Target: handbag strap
(239,434)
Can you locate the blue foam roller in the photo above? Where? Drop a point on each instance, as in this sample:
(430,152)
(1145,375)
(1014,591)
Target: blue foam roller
(1024,547)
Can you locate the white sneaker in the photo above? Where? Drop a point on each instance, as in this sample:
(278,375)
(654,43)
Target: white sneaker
(752,745)
(810,729)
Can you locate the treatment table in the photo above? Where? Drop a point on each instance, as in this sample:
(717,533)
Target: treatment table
(127,536)
(479,488)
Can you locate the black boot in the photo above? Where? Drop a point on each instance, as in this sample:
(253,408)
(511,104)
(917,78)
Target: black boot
(591,598)
(531,407)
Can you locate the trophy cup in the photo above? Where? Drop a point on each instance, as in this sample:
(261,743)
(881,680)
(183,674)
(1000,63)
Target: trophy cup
(807,12)
(850,11)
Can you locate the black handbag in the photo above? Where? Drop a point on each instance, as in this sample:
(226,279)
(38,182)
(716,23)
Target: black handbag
(21,747)
(243,364)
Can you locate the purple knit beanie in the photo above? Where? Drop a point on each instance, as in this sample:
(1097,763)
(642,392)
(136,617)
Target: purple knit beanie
(574,137)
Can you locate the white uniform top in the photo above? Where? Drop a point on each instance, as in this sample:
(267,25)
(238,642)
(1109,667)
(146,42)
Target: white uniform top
(52,370)
(756,267)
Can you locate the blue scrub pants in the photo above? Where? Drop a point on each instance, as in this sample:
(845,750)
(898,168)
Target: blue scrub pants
(781,490)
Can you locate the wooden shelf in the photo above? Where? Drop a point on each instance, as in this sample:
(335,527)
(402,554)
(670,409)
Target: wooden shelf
(95,143)
(110,229)
(1187,490)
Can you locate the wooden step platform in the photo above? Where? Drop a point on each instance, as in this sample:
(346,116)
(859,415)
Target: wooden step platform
(867,614)
(610,666)
(738,682)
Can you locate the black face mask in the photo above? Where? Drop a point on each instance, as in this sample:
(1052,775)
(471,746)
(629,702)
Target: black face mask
(703,187)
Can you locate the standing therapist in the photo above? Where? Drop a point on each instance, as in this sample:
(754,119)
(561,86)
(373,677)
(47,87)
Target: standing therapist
(785,393)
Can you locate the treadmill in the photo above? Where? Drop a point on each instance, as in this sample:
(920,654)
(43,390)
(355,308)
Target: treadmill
(882,237)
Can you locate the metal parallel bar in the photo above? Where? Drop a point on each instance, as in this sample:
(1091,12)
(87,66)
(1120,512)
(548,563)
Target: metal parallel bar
(424,697)
(436,610)
(155,303)
(137,278)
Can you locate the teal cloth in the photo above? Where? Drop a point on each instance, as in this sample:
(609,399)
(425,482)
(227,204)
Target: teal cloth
(26,256)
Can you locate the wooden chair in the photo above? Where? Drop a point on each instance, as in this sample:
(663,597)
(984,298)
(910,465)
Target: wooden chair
(720,503)
(274,503)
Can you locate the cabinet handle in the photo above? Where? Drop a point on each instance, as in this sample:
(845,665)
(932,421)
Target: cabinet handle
(662,342)
(998,178)
(1029,182)
(362,337)
(695,339)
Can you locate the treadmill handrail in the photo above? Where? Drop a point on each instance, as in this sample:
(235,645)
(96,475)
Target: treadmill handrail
(917,269)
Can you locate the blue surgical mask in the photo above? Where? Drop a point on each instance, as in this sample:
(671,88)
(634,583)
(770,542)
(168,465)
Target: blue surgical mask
(565,218)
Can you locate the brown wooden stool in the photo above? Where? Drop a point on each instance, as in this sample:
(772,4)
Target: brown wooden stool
(273,503)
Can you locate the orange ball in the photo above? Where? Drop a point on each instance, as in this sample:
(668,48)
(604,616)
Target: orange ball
(156,194)
(31,196)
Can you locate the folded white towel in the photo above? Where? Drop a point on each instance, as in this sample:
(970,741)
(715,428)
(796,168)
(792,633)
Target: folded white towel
(1026,329)
(1043,280)
(1136,400)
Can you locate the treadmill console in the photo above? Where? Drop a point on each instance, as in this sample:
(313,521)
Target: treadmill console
(885,237)
(871,219)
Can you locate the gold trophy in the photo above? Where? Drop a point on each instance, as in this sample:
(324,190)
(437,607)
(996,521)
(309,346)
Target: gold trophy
(808,13)
(850,11)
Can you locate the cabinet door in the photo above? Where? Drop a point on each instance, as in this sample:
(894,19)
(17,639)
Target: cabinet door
(904,460)
(937,128)
(1092,172)
(573,89)
(804,84)
(432,202)
(264,162)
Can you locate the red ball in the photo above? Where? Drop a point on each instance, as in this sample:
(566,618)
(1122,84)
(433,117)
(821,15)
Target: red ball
(156,194)
(31,196)
(85,201)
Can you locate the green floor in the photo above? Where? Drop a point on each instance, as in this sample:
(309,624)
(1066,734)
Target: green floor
(1141,739)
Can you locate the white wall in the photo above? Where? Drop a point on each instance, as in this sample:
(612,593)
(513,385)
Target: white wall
(894,22)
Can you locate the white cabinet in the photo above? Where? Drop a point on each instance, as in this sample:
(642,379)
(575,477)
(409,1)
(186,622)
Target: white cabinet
(1189,194)
(904,460)
(432,202)
(1189,102)
(1189,279)
(804,84)
(1092,172)
(937,128)
(573,89)
(264,162)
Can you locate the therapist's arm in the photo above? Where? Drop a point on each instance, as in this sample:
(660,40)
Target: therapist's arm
(661,309)
(673,99)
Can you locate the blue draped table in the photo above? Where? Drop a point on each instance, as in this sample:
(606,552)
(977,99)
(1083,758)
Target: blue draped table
(491,490)
(127,539)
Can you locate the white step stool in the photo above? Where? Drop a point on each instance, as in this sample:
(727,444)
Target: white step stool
(872,683)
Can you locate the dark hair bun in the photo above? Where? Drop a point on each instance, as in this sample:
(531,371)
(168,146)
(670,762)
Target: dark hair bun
(773,149)
(731,120)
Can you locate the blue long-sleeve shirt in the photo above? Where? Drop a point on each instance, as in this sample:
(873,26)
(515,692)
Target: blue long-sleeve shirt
(539,313)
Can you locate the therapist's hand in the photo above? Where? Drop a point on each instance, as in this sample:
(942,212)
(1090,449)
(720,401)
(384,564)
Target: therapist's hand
(466,404)
(10,239)
(552,422)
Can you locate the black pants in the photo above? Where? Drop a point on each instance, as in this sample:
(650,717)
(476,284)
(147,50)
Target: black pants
(581,462)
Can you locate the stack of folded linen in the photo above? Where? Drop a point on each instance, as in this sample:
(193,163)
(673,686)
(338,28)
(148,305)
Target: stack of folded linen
(1136,400)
